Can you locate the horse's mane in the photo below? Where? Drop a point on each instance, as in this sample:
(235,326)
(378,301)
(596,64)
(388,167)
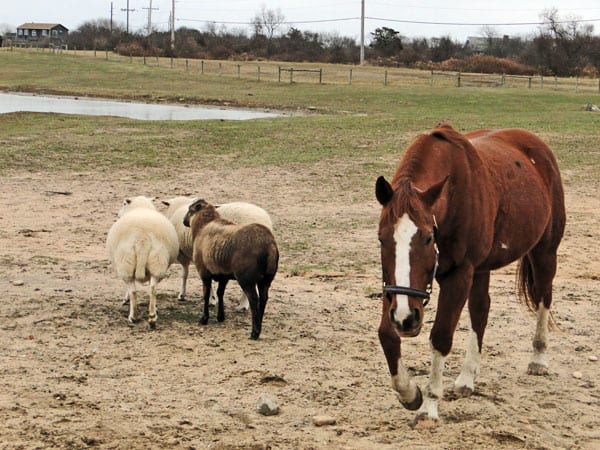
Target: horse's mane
(412,163)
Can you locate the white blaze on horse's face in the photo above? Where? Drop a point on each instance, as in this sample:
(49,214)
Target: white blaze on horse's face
(405,231)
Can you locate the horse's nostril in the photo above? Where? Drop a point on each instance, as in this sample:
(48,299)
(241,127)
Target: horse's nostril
(417,316)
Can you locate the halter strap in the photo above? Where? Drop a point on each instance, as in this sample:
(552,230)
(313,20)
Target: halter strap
(413,292)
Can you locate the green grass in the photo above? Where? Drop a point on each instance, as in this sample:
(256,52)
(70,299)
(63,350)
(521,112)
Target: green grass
(366,123)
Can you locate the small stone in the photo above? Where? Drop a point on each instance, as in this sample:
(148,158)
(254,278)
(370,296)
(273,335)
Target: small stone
(593,358)
(321,421)
(577,375)
(267,405)
(18,283)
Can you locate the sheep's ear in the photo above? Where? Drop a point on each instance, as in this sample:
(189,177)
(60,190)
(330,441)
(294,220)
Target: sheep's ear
(127,201)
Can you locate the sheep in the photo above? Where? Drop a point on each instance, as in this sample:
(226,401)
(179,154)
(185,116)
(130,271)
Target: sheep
(223,251)
(141,245)
(236,212)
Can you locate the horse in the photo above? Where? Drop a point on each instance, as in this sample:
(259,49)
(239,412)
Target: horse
(458,207)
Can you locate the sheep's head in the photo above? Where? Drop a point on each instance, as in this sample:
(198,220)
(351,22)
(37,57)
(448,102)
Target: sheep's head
(202,210)
(136,202)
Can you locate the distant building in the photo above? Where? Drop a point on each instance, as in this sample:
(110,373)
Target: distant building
(480,44)
(43,34)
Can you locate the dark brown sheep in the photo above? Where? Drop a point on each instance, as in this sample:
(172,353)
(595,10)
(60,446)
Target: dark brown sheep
(224,251)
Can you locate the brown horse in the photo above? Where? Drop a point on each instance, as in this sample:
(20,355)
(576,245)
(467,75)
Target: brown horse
(484,200)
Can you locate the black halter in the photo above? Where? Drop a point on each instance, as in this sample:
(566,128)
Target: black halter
(413,292)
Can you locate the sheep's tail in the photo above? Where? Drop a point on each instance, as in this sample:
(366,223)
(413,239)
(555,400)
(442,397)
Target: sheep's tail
(141,251)
(272,261)
(525,289)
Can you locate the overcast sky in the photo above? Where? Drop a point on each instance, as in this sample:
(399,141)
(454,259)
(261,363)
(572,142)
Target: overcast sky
(412,18)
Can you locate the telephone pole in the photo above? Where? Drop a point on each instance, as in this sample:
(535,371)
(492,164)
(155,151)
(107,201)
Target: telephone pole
(111,16)
(362,32)
(150,9)
(128,11)
(173,28)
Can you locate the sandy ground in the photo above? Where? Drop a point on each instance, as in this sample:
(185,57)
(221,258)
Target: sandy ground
(74,374)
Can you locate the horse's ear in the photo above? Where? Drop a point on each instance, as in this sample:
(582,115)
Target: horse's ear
(430,196)
(383,191)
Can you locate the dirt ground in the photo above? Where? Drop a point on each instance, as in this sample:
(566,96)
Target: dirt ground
(75,374)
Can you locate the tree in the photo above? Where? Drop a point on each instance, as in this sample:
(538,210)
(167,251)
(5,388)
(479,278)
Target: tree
(267,21)
(386,41)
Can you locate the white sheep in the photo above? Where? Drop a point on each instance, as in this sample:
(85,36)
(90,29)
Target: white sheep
(237,212)
(141,246)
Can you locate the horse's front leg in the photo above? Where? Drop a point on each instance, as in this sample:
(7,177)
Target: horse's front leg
(454,290)
(406,389)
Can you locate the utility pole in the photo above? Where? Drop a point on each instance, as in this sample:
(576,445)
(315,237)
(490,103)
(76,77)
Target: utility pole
(111,16)
(128,11)
(362,32)
(173,28)
(150,9)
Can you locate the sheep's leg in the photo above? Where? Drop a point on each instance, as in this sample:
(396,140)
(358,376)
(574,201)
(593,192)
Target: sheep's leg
(185,269)
(220,293)
(152,313)
(132,294)
(213,297)
(250,291)
(126,298)
(206,285)
(244,305)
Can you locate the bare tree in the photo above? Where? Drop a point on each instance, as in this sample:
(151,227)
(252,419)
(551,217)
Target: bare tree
(267,21)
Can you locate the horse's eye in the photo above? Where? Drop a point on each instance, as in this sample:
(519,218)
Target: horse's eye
(429,240)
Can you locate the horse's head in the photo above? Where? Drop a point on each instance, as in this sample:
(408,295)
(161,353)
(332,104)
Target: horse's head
(407,233)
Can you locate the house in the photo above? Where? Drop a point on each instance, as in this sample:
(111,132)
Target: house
(42,33)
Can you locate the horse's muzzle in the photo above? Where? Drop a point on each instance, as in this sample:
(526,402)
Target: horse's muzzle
(409,326)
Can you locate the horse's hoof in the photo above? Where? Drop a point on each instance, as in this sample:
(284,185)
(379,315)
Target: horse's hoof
(203,320)
(221,318)
(181,298)
(463,391)
(423,422)
(152,325)
(132,320)
(537,369)
(415,403)
(254,335)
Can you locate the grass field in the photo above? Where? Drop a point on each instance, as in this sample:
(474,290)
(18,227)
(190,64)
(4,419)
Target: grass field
(362,121)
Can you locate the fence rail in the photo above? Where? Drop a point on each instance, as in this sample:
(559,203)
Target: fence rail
(338,74)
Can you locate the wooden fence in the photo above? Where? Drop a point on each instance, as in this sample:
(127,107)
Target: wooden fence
(341,73)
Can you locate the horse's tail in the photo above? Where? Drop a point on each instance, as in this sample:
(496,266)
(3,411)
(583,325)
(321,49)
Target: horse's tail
(525,288)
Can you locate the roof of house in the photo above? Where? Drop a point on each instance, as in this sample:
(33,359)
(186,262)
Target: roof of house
(41,26)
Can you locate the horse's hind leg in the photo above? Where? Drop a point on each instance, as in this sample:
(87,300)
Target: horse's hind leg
(479,307)
(543,269)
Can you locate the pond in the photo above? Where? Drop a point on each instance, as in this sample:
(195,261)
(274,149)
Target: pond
(12,102)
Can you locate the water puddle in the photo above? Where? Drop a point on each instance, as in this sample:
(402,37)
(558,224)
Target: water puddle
(11,102)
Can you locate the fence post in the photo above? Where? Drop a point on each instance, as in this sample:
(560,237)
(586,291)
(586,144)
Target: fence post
(458,79)
(431,81)
(202,67)
(529,83)
(144,59)
(577,83)
(503,79)
(238,70)
(555,82)
(385,78)
(220,69)
(542,81)
(279,74)
(320,76)
(291,75)
(258,73)
(350,77)
(186,65)
(106,54)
